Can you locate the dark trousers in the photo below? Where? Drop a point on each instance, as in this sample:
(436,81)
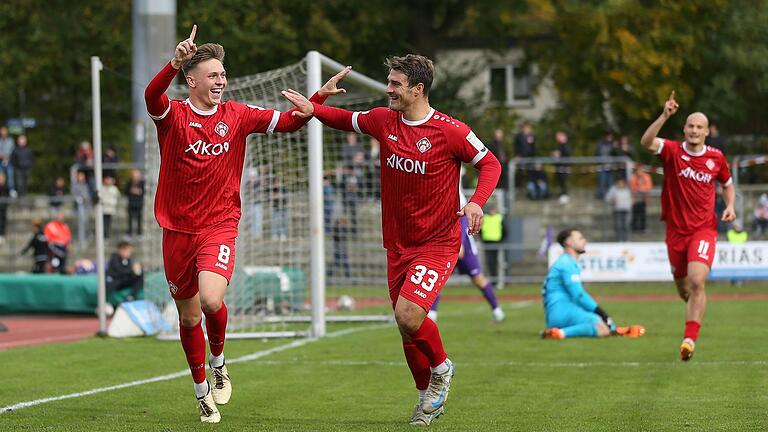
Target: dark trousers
(107,225)
(3,219)
(22,177)
(492,259)
(134,283)
(134,217)
(562,181)
(638,216)
(39,266)
(620,224)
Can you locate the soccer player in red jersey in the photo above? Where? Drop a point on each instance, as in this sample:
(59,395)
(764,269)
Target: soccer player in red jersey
(421,154)
(688,207)
(202,151)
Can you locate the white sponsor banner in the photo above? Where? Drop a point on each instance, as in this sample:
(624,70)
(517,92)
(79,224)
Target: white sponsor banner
(623,262)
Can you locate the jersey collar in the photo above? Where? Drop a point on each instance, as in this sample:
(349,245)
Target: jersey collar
(701,153)
(198,111)
(418,122)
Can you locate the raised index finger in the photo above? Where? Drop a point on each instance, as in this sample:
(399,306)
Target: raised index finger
(193,33)
(672,95)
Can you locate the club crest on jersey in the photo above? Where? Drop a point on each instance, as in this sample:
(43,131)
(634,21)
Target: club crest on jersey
(423,145)
(710,164)
(221,129)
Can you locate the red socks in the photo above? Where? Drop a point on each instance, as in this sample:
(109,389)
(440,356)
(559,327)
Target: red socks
(418,363)
(193,342)
(427,339)
(692,329)
(216,325)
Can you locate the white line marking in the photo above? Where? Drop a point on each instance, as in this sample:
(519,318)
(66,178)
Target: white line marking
(249,357)
(577,365)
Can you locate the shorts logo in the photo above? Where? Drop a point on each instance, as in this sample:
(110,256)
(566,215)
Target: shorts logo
(423,145)
(710,164)
(221,129)
(172,287)
(420,294)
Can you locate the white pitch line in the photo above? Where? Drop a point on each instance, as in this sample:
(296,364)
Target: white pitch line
(518,363)
(245,358)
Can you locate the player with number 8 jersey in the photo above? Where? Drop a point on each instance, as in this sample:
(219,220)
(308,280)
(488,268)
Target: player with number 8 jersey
(691,169)
(421,154)
(202,151)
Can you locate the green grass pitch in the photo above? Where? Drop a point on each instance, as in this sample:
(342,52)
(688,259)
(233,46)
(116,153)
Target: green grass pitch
(507,378)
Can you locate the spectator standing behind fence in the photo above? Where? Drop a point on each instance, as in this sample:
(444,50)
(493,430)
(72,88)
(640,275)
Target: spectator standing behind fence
(84,161)
(761,217)
(492,233)
(6,149)
(374,169)
(59,236)
(620,198)
(340,237)
(640,184)
(39,246)
(720,206)
(279,198)
(622,148)
(328,200)
(22,160)
(83,196)
(353,161)
(124,277)
(56,195)
(134,190)
(110,158)
(5,198)
(496,147)
(563,150)
(714,139)
(525,147)
(604,174)
(110,196)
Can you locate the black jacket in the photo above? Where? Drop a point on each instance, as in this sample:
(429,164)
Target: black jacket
(22,158)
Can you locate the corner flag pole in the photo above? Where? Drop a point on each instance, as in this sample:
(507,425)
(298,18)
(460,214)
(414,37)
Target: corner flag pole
(101,290)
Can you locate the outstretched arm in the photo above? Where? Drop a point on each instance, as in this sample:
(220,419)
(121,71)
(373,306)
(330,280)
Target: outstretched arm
(294,119)
(649,137)
(154,95)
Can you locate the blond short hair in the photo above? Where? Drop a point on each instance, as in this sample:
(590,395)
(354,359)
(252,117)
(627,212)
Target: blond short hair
(204,52)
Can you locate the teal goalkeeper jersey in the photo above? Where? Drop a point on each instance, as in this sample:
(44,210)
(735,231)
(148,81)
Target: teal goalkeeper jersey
(563,287)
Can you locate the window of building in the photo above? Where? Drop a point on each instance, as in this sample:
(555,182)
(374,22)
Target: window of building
(510,84)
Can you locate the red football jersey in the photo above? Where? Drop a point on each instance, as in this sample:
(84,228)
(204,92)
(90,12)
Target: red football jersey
(201,162)
(420,163)
(688,195)
(202,155)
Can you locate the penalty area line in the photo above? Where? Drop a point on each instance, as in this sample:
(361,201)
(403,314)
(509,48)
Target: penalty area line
(242,359)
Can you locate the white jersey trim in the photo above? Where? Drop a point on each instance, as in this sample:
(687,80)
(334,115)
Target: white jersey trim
(161,116)
(355,124)
(660,141)
(418,122)
(701,153)
(273,123)
(198,111)
(478,157)
(729,183)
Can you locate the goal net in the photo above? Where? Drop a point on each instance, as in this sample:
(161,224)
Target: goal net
(300,251)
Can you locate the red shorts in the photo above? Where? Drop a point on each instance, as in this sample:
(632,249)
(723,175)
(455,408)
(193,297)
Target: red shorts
(682,249)
(186,255)
(419,276)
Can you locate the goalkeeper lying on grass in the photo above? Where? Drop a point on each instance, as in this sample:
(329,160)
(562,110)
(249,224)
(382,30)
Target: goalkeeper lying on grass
(569,310)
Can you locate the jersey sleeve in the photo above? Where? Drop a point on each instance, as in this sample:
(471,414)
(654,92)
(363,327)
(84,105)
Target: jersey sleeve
(577,293)
(724,175)
(158,104)
(467,147)
(267,120)
(667,149)
(368,122)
